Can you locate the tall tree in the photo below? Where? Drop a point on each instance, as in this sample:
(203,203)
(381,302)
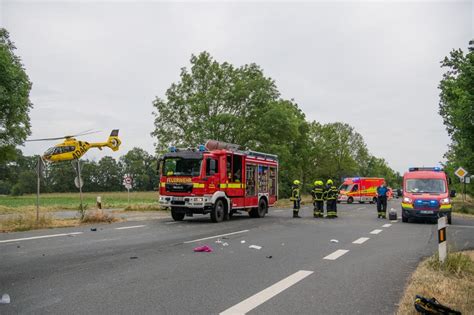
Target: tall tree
(457,105)
(212,101)
(142,167)
(15,104)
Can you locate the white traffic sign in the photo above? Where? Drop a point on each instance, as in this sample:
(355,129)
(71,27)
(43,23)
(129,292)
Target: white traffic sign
(78,183)
(460,172)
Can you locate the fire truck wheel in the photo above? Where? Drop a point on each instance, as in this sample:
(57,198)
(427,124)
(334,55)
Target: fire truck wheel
(177,216)
(350,200)
(218,213)
(261,210)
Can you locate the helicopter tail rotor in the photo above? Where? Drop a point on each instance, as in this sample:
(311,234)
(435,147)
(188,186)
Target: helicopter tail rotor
(114,142)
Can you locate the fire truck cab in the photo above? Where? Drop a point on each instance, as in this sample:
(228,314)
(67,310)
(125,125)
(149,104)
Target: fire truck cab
(217,179)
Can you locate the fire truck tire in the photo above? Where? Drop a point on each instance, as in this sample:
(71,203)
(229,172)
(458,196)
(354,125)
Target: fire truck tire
(261,210)
(177,216)
(350,200)
(218,213)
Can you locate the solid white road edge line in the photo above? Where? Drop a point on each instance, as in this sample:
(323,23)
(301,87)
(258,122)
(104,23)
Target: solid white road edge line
(387,225)
(376,231)
(261,297)
(38,237)
(129,227)
(361,240)
(215,236)
(338,253)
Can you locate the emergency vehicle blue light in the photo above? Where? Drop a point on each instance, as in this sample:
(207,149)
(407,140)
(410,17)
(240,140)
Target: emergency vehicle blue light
(356,179)
(436,169)
(201,148)
(172,149)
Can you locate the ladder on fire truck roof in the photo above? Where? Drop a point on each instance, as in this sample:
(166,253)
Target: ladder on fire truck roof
(213,145)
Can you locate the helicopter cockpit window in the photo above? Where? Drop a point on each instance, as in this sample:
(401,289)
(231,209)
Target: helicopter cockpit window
(50,151)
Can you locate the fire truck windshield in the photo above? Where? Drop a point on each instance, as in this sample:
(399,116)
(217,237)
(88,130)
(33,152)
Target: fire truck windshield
(436,186)
(175,166)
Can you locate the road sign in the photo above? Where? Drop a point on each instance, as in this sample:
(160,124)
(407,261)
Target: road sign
(78,183)
(460,172)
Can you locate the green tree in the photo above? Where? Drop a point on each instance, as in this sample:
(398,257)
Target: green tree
(142,168)
(457,106)
(15,104)
(109,174)
(212,101)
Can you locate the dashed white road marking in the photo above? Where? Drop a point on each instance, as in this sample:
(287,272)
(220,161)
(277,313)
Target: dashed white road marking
(362,208)
(129,227)
(338,253)
(39,237)
(215,236)
(261,297)
(387,225)
(172,222)
(376,231)
(361,240)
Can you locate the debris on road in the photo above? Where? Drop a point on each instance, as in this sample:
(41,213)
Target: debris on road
(225,244)
(218,241)
(255,246)
(5,299)
(204,248)
(94,229)
(242,242)
(134,257)
(334,241)
(270,257)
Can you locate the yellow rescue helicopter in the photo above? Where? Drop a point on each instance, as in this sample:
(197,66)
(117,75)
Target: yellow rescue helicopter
(72,149)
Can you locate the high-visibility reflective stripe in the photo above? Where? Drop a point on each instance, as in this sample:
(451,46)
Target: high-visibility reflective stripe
(198,185)
(407,205)
(232,185)
(442,235)
(163,184)
(443,207)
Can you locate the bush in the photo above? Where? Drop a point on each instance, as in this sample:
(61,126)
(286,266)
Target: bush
(456,264)
(17,190)
(98,217)
(5,187)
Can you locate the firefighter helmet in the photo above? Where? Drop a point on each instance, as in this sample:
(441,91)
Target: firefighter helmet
(318,183)
(296,182)
(329,182)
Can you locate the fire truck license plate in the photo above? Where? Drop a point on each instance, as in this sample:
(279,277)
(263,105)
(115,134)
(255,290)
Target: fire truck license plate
(426,212)
(178,198)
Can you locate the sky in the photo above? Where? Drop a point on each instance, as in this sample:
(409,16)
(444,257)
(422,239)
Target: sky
(374,65)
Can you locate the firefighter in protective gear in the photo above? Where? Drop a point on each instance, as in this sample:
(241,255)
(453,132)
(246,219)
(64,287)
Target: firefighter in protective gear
(331,193)
(318,199)
(296,198)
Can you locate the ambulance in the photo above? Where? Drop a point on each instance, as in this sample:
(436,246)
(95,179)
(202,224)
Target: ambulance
(361,189)
(426,194)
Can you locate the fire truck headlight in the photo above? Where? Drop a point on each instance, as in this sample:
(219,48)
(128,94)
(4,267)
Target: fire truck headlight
(198,199)
(445,201)
(407,200)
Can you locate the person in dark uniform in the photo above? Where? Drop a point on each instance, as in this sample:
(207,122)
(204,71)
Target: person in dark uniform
(382,196)
(331,199)
(318,199)
(296,198)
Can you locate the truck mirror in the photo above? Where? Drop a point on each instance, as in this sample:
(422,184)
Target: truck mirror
(452,194)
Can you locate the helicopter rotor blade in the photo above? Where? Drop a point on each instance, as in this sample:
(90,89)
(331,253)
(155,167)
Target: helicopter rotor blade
(83,133)
(44,139)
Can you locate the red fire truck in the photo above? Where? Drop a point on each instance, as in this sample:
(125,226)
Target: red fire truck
(217,179)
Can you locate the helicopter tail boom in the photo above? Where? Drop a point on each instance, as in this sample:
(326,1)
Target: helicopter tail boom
(113,142)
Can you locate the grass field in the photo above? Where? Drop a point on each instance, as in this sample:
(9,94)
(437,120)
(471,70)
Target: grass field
(71,201)
(451,283)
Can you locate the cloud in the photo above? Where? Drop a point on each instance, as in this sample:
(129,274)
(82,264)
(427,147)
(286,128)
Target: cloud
(374,65)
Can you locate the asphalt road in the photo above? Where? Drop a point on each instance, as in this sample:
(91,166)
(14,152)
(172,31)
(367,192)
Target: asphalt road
(149,267)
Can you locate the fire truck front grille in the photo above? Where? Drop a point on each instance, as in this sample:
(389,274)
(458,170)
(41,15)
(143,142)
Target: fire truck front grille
(179,187)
